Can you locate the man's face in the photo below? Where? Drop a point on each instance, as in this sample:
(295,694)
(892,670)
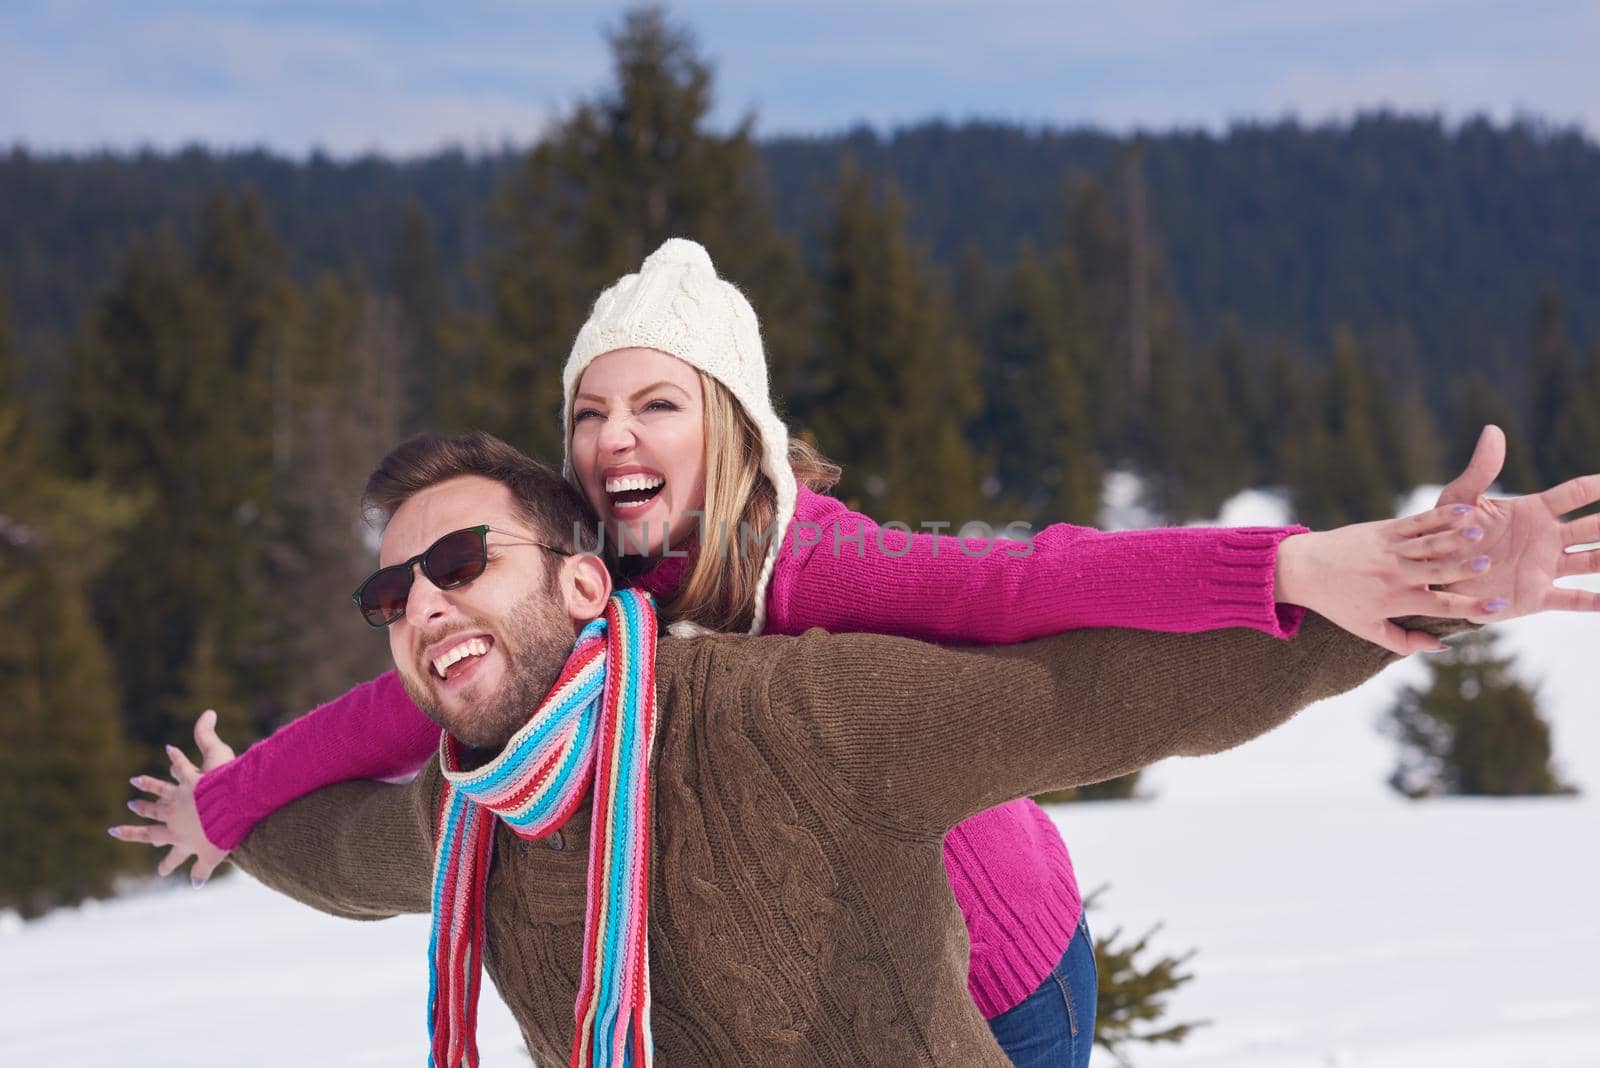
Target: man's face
(479,658)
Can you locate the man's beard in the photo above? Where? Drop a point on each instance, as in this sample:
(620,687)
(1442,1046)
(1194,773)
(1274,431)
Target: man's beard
(535,638)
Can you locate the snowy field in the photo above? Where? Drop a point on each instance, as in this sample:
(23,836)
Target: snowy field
(1338,926)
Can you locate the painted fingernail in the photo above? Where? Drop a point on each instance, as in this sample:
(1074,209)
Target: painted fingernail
(1480,563)
(1473,533)
(1496,605)
(133,806)
(172,752)
(1461,509)
(196,883)
(135,780)
(115,832)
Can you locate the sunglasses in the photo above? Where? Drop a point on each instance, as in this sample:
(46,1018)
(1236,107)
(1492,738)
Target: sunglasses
(450,563)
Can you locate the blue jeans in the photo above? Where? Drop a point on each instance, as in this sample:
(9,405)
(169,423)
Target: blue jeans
(1053,1027)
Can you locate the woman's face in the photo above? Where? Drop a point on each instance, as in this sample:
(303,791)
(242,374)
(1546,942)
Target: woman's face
(639,448)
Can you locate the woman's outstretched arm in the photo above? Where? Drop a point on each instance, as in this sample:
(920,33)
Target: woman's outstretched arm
(373,732)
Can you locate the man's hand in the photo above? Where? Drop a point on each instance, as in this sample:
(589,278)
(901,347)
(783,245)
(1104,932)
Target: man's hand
(1525,539)
(177,820)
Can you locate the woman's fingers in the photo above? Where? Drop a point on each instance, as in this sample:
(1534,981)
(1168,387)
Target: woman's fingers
(183,768)
(153,786)
(1561,599)
(1584,563)
(1441,604)
(1585,531)
(1442,572)
(1488,456)
(1462,540)
(173,860)
(200,871)
(155,834)
(1432,521)
(1571,495)
(150,810)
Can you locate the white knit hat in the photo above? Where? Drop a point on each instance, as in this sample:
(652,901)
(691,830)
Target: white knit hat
(677,305)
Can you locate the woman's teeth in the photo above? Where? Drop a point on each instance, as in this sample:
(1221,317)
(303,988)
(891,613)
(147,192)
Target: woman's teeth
(634,482)
(633,491)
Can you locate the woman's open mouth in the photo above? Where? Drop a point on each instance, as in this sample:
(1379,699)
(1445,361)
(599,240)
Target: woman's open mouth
(633,493)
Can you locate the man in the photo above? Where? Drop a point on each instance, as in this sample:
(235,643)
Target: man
(801,786)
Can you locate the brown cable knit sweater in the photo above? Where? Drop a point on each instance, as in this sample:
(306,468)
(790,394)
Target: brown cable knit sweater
(799,911)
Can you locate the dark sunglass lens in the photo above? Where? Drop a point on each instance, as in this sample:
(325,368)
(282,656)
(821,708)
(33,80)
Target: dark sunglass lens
(383,597)
(456,559)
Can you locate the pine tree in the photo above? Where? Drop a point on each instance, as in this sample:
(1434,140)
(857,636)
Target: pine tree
(349,347)
(418,285)
(182,392)
(1475,730)
(1573,442)
(1133,994)
(1476,404)
(904,386)
(1558,440)
(63,762)
(1097,247)
(1294,434)
(1037,420)
(1342,477)
(1196,437)
(623,173)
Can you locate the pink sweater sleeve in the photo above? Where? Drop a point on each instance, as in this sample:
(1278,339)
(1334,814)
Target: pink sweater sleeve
(372,732)
(840,571)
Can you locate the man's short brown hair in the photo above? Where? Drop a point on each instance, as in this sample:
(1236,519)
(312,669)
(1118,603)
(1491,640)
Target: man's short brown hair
(551,506)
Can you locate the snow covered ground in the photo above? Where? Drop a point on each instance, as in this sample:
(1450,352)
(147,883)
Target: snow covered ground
(1338,927)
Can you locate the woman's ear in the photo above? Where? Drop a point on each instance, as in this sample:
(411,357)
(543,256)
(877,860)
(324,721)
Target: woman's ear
(585,586)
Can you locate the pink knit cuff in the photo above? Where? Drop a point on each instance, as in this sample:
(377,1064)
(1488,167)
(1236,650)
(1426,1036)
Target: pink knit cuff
(1240,580)
(224,824)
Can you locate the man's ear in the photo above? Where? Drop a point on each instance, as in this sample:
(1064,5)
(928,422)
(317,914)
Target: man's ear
(585,587)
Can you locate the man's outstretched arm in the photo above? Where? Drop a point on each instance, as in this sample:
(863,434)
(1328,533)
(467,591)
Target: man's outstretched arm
(926,736)
(362,850)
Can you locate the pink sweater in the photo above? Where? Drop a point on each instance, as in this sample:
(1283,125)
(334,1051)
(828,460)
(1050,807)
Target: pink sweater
(1008,867)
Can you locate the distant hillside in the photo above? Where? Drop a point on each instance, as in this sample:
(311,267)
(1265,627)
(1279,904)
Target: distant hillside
(1436,241)
(1393,226)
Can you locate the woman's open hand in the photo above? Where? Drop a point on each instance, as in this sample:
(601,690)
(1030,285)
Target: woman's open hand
(175,819)
(1528,545)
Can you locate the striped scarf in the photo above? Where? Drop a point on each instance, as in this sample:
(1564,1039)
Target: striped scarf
(595,726)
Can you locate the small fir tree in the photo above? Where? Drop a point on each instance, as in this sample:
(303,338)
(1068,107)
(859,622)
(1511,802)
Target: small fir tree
(1133,993)
(1475,730)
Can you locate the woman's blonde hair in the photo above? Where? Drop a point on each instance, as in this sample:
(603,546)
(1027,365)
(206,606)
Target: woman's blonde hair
(720,589)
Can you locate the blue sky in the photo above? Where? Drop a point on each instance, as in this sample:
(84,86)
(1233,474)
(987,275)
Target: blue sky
(406,77)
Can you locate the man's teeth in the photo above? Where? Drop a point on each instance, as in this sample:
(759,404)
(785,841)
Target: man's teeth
(633,482)
(472,647)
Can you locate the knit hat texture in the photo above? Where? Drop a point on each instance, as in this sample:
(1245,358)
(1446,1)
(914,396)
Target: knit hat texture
(677,305)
